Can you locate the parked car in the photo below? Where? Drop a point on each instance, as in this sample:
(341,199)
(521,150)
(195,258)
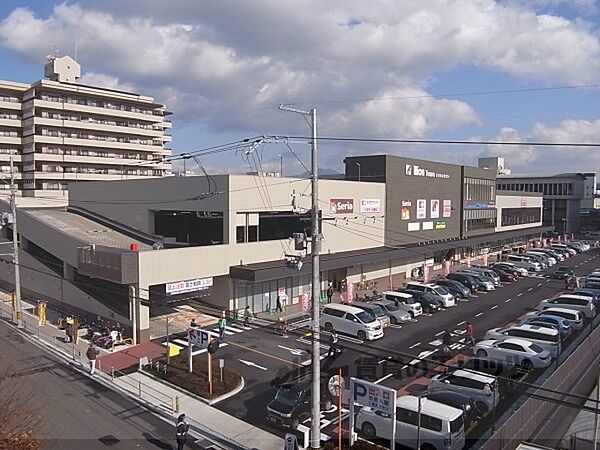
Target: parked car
(482,388)
(504,276)
(454,287)
(350,320)
(376,311)
(546,338)
(504,372)
(542,258)
(562,272)
(441,294)
(556,255)
(404,301)
(291,404)
(395,314)
(487,283)
(594,294)
(486,272)
(572,251)
(523,262)
(456,400)
(507,266)
(515,351)
(551,260)
(575,318)
(428,302)
(577,302)
(442,426)
(562,325)
(467,280)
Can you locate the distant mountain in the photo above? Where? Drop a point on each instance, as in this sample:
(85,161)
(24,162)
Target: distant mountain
(325,173)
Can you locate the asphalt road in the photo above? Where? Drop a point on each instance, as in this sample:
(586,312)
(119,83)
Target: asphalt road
(276,359)
(77,412)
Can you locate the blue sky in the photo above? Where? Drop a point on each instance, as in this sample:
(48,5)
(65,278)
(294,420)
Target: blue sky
(206,60)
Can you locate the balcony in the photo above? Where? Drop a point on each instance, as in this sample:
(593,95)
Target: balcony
(15,140)
(12,105)
(12,123)
(100,160)
(37,139)
(87,125)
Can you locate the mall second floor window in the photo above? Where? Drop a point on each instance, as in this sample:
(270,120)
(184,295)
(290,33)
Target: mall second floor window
(520,216)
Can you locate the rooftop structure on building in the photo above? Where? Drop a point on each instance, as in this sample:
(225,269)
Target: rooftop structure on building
(58,131)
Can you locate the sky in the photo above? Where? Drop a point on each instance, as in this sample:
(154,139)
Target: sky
(384,69)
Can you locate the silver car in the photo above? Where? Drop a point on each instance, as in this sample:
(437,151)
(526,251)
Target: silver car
(395,314)
(515,351)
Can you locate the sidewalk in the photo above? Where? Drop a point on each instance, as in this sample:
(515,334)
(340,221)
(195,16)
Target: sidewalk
(205,421)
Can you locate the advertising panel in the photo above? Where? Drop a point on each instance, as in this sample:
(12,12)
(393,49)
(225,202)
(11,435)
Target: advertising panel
(370,205)
(405,211)
(351,292)
(341,205)
(414,226)
(421,209)
(479,205)
(428,225)
(306,301)
(447,212)
(440,225)
(181,287)
(435,209)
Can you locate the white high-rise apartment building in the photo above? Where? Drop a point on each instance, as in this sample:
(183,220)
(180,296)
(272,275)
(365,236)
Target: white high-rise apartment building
(58,131)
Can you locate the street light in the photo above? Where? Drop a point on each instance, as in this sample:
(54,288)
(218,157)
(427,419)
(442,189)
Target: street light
(358,164)
(168,346)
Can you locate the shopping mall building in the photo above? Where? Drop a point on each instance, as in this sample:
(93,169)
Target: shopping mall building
(121,249)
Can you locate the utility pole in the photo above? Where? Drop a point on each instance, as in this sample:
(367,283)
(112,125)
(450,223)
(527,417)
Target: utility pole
(315,424)
(13,206)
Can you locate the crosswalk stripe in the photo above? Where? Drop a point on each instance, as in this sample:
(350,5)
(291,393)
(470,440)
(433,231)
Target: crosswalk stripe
(228,333)
(237,330)
(185,344)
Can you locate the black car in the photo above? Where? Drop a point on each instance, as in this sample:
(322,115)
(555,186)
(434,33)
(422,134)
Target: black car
(456,288)
(499,268)
(456,400)
(292,405)
(562,272)
(428,302)
(494,368)
(467,280)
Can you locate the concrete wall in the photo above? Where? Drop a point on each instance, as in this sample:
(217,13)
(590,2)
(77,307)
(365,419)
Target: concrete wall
(517,201)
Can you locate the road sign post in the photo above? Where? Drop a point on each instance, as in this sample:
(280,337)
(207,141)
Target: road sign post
(202,339)
(380,398)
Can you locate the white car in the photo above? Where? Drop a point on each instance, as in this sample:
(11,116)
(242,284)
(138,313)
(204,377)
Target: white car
(585,305)
(547,338)
(479,386)
(515,351)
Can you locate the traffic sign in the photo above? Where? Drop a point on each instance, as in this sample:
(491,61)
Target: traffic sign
(290,442)
(335,385)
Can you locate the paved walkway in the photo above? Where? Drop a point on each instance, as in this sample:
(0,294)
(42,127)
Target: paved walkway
(204,419)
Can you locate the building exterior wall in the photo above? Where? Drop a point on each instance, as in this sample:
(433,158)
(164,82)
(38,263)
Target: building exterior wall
(478,201)
(518,201)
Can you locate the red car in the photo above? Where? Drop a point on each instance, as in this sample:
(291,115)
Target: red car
(504,276)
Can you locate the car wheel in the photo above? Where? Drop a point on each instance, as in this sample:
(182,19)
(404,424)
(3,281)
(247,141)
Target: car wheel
(327,405)
(393,321)
(482,407)
(368,430)
(362,335)
(427,447)
(527,365)
(482,353)
(328,327)
(295,423)
(412,314)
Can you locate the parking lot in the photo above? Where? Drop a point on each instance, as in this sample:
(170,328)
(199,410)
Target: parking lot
(267,359)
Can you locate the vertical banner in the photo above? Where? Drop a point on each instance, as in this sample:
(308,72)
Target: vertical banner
(42,313)
(559,238)
(446,268)
(572,236)
(306,301)
(468,261)
(351,292)
(391,283)
(485,259)
(425,273)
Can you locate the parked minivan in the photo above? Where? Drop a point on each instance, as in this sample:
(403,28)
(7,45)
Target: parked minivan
(442,426)
(547,338)
(541,260)
(375,310)
(569,301)
(482,388)
(524,262)
(575,318)
(564,247)
(439,292)
(486,272)
(350,320)
(547,259)
(467,280)
(404,301)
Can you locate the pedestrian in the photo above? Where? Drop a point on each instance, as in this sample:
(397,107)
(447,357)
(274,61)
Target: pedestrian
(92,354)
(247,315)
(222,325)
(182,429)
(333,342)
(446,338)
(278,306)
(193,324)
(114,337)
(69,332)
(470,337)
(329,292)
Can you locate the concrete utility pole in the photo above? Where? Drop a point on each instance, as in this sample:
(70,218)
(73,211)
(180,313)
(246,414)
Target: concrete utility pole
(13,206)
(315,424)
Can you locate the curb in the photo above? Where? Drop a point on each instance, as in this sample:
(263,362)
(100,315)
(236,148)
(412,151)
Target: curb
(207,401)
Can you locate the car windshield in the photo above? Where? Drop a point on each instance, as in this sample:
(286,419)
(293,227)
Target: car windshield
(456,425)
(365,317)
(287,396)
(378,311)
(562,269)
(391,307)
(439,290)
(536,348)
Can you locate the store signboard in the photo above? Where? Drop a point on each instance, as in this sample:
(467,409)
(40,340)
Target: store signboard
(341,205)
(435,209)
(447,211)
(372,205)
(440,225)
(406,205)
(421,209)
(480,205)
(181,287)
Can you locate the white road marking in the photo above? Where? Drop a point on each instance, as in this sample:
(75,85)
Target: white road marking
(306,341)
(480,314)
(539,284)
(530,289)
(415,345)
(458,332)
(384,378)
(421,356)
(436,343)
(293,351)
(308,362)
(440,333)
(494,307)
(519,294)
(384,360)
(393,325)
(461,323)
(228,333)
(507,300)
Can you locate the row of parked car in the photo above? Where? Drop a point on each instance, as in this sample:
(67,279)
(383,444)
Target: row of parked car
(461,395)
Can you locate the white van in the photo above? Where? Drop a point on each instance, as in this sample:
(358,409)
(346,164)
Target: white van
(547,338)
(524,262)
(350,320)
(482,388)
(405,302)
(585,305)
(575,318)
(439,292)
(573,252)
(442,426)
